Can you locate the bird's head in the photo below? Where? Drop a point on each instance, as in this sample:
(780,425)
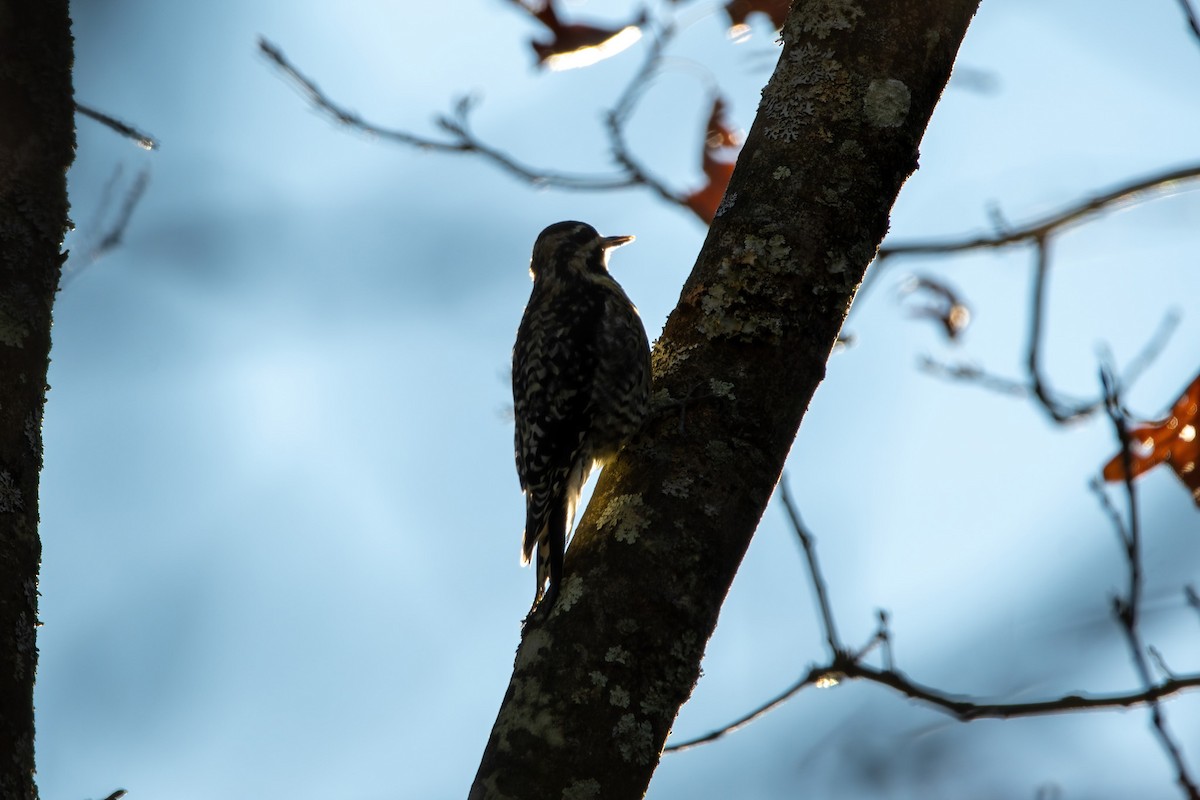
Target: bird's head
(568,250)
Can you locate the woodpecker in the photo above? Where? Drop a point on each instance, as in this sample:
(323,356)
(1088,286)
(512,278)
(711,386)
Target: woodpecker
(581,385)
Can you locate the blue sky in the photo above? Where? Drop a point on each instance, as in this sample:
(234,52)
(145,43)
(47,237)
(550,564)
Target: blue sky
(279,509)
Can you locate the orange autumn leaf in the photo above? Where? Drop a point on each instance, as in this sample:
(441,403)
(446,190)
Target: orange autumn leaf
(1173,441)
(577,45)
(721,146)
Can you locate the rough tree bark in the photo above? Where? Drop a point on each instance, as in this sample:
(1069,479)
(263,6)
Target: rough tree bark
(37,144)
(595,688)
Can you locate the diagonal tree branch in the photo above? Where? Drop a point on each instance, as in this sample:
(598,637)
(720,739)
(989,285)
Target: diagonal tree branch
(597,685)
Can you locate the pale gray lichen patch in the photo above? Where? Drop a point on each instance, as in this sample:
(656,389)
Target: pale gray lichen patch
(749,271)
(599,679)
(781,173)
(839,267)
(886,103)
(822,17)
(527,712)
(710,510)
(586,789)
(627,514)
(655,702)
(666,356)
(721,389)
(10,494)
(789,101)
(572,590)
(617,655)
(635,740)
(531,648)
(776,249)
(619,697)
(678,487)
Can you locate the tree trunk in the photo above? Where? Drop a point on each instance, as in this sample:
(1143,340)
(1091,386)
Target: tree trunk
(37,144)
(597,685)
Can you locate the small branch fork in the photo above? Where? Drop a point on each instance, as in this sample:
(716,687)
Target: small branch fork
(1038,234)
(111,237)
(845,664)
(462,139)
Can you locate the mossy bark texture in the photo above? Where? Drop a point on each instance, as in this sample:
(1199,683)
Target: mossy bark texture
(37,144)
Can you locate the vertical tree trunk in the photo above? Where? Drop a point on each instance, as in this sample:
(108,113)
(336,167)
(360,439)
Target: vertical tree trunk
(37,144)
(596,687)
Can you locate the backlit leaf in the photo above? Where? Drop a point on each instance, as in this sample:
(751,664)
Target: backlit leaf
(1174,441)
(721,145)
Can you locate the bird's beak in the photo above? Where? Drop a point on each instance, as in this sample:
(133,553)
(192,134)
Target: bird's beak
(616,241)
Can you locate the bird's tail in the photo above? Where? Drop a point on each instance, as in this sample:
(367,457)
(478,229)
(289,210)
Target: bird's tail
(546,531)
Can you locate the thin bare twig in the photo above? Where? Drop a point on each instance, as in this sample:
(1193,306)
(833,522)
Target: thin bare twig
(881,638)
(972,373)
(1125,609)
(462,139)
(143,140)
(962,709)
(1058,408)
(814,675)
(844,665)
(619,116)
(970,709)
(1160,662)
(1110,510)
(116,232)
(1055,222)
(975,374)
(818,580)
(109,238)
(1153,347)
(1058,411)
(1191,598)
(1038,233)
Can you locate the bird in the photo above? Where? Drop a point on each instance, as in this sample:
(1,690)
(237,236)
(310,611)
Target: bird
(581,386)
